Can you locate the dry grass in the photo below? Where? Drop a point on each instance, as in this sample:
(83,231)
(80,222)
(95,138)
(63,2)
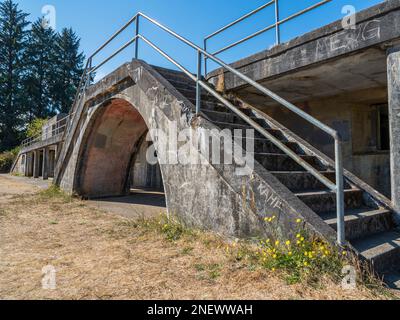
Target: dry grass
(100,256)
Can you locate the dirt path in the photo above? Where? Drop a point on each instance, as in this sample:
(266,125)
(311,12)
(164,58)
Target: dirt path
(11,186)
(97,255)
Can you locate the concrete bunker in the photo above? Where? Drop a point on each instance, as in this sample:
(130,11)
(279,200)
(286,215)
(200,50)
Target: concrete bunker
(113,155)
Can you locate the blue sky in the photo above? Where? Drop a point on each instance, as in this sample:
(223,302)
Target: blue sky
(96,20)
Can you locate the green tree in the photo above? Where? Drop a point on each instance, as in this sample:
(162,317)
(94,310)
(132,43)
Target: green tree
(69,61)
(40,76)
(13,34)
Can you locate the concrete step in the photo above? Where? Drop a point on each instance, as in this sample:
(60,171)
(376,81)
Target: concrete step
(231,117)
(296,181)
(235,126)
(191,95)
(282,162)
(325,201)
(183,84)
(382,250)
(172,74)
(266,146)
(207,106)
(362,222)
(392,280)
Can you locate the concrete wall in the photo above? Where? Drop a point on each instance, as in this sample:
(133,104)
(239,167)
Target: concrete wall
(144,175)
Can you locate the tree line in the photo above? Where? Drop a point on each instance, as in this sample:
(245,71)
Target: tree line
(40,70)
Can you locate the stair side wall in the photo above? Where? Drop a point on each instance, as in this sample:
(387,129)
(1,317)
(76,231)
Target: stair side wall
(209,196)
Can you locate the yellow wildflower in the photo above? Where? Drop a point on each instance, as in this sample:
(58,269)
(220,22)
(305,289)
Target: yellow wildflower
(298,221)
(288,243)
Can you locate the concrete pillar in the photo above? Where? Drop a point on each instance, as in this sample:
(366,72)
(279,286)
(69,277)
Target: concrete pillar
(394,119)
(36,164)
(28,167)
(57,149)
(52,157)
(46,163)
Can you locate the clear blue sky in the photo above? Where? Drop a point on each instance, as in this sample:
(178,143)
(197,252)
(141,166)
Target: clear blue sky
(95,20)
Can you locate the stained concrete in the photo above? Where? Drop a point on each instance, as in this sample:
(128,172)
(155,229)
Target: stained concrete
(394,118)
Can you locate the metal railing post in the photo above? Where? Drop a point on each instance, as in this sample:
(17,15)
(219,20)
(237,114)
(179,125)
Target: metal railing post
(137,39)
(198,86)
(90,71)
(340,192)
(205,58)
(277,26)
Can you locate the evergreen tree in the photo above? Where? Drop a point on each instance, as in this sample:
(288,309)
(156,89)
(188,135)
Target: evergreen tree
(69,69)
(40,76)
(13,33)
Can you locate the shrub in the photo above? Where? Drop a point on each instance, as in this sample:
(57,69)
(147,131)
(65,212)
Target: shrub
(6,161)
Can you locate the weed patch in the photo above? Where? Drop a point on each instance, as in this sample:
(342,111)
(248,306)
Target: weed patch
(54,193)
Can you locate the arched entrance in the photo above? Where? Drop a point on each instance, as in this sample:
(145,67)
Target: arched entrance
(112,160)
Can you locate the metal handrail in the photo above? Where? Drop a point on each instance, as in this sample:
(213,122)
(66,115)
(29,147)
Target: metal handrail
(277,23)
(53,133)
(200,84)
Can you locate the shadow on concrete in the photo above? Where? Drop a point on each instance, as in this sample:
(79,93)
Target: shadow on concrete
(139,204)
(140,197)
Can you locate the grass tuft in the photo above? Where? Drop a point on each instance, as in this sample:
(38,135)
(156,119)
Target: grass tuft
(55,193)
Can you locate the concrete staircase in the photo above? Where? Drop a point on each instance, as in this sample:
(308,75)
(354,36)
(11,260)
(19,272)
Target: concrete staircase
(370,225)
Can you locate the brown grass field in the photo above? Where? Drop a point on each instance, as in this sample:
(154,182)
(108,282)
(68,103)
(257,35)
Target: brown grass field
(98,255)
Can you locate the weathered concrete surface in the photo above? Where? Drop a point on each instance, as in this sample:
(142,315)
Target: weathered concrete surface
(337,76)
(394,118)
(377,28)
(114,134)
(205,195)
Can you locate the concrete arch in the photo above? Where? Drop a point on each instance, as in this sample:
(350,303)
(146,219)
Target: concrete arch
(203,194)
(111,142)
